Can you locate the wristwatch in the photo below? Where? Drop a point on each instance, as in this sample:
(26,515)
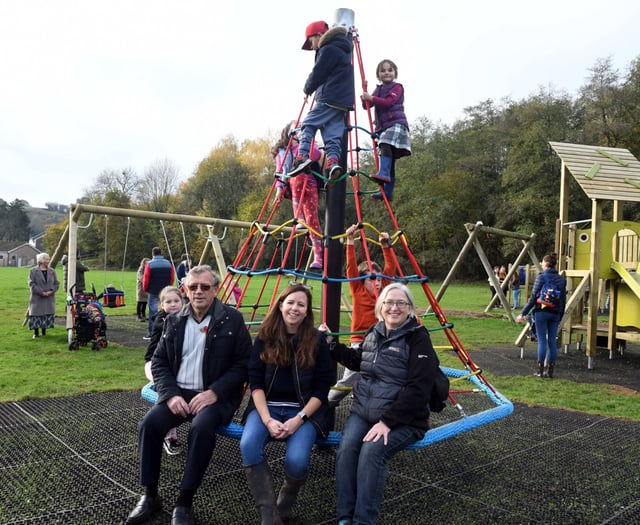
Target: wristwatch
(303,416)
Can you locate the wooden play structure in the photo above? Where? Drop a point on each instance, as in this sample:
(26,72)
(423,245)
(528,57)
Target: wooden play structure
(602,258)
(476,231)
(69,239)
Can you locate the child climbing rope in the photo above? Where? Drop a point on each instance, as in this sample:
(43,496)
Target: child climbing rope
(363,298)
(305,203)
(332,81)
(391,125)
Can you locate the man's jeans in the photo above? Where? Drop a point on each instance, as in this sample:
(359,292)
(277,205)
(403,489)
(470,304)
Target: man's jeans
(153,303)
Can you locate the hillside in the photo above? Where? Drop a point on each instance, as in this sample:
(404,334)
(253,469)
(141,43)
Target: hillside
(40,218)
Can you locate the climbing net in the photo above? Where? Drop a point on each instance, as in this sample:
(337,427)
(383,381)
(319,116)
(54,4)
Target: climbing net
(275,254)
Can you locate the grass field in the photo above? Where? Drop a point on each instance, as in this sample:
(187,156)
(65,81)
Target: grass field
(45,367)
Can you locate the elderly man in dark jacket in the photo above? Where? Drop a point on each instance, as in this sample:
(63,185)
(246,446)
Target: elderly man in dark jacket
(199,369)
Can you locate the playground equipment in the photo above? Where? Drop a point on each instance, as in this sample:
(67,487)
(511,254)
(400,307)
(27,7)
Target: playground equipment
(262,246)
(475,231)
(274,246)
(604,255)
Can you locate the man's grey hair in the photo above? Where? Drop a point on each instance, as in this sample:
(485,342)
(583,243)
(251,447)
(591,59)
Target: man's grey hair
(204,268)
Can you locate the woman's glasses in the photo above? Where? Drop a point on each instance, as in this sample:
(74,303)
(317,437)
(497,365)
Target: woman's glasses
(204,287)
(400,304)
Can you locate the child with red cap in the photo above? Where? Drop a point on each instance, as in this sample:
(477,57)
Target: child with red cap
(332,81)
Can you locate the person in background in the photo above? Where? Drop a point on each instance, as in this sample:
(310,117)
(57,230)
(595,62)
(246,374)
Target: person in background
(547,318)
(290,372)
(363,301)
(170,303)
(390,409)
(391,125)
(515,288)
(79,284)
(43,285)
(183,269)
(141,296)
(332,81)
(199,369)
(496,271)
(305,204)
(158,273)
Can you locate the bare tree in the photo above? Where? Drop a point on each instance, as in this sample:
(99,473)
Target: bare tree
(159,184)
(123,181)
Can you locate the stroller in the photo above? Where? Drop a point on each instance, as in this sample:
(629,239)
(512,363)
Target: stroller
(89,325)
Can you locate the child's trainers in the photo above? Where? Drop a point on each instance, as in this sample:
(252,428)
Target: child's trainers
(333,172)
(299,165)
(171,446)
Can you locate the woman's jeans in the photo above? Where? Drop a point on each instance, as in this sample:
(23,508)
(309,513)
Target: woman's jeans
(547,330)
(255,436)
(361,469)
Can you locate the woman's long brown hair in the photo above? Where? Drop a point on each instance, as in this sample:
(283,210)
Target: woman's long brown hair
(273,333)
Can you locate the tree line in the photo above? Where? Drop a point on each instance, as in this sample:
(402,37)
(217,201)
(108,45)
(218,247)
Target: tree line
(493,165)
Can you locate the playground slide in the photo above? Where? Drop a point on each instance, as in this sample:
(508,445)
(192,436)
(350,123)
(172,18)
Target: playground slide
(632,280)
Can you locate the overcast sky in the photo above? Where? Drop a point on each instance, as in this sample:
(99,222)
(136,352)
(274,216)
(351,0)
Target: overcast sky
(92,85)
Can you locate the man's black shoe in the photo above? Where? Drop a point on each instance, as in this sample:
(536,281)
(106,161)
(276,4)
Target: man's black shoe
(182,516)
(144,510)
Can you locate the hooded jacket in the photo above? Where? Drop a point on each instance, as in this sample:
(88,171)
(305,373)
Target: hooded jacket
(332,75)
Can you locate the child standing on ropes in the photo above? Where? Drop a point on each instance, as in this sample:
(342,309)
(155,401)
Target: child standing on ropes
(391,125)
(305,204)
(332,81)
(363,298)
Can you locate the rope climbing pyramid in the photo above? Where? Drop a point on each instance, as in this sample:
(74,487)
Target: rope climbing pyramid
(274,254)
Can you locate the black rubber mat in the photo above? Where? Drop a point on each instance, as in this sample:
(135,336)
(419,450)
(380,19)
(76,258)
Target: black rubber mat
(74,461)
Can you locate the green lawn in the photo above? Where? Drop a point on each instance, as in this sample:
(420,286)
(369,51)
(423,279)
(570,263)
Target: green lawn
(46,368)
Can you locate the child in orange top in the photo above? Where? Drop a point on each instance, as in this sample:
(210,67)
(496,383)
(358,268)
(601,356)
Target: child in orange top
(363,299)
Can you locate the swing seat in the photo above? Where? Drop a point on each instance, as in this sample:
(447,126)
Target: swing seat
(494,408)
(112,298)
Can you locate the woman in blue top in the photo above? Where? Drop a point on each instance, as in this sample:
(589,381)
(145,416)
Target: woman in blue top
(392,127)
(290,373)
(547,316)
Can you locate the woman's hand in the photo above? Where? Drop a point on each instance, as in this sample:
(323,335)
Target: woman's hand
(377,431)
(279,430)
(324,328)
(275,428)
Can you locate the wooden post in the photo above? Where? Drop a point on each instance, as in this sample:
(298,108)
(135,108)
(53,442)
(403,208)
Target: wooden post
(594,263)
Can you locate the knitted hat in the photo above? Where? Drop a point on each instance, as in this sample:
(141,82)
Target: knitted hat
(314,28)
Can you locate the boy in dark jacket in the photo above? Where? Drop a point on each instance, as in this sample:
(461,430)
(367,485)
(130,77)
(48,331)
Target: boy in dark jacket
(332,81)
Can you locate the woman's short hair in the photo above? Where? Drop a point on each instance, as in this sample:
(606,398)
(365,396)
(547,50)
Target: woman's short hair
(384,293)
(41,257)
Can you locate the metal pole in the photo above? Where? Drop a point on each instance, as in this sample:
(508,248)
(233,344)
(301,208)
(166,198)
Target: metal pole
(334,225)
